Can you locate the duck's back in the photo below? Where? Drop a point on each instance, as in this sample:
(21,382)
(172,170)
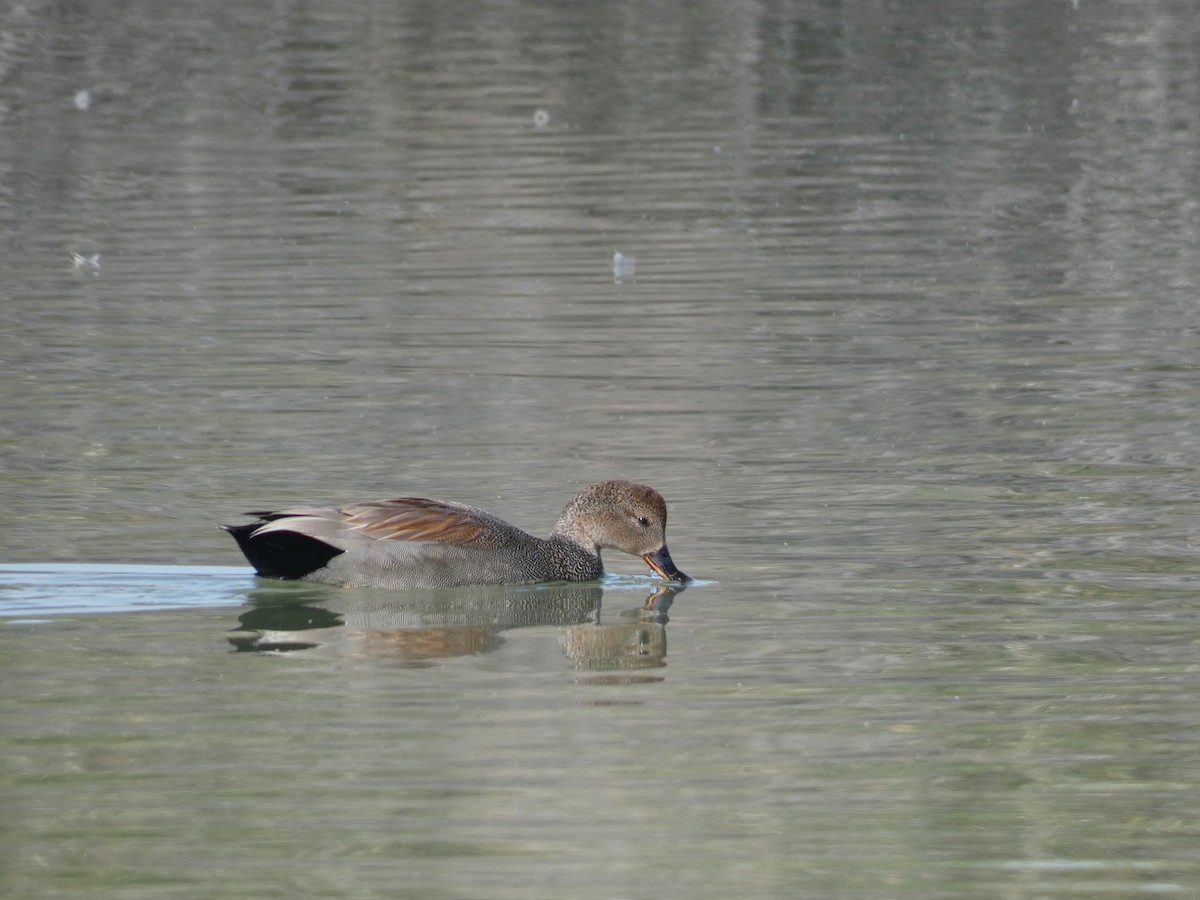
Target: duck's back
(408,542)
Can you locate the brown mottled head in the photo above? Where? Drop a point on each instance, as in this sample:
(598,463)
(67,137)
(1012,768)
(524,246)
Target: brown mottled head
(623,515)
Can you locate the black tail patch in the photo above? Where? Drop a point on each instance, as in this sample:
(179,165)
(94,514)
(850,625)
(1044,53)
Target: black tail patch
(281,554)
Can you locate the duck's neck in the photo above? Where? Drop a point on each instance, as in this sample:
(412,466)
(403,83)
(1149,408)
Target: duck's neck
(578,557)
(568,529)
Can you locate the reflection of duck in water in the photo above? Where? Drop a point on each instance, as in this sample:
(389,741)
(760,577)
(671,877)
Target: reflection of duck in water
(439,624)
(411,542)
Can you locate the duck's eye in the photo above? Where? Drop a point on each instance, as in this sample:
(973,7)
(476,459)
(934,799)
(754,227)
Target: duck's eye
(643,521)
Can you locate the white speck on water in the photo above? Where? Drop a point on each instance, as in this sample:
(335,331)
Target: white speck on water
(81,261)
(83,100)
(541,118)
(623,267)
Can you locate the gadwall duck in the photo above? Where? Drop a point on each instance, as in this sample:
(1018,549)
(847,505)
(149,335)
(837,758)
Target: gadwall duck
(411,542)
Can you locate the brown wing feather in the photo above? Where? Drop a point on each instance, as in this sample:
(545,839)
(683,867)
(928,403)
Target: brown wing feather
(417,519)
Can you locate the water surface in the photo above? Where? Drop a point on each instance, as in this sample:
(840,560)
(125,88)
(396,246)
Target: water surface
(909,345)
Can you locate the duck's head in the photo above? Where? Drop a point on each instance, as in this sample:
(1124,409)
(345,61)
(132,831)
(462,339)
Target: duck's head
(626,516)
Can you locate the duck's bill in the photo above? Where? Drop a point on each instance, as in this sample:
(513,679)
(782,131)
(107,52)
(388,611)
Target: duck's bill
(660,561)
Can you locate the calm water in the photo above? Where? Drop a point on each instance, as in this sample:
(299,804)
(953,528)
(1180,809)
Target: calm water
(909,341)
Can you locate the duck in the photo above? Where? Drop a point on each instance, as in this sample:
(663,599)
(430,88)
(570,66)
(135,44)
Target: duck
(417,542)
